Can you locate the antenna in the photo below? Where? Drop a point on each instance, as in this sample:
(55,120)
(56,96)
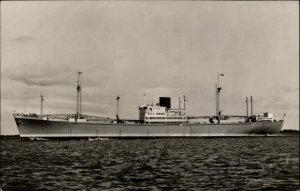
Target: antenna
(42,100)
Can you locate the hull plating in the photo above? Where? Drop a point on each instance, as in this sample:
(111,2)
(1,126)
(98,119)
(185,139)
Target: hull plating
(33,127)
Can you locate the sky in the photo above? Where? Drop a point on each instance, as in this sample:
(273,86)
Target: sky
(156,48)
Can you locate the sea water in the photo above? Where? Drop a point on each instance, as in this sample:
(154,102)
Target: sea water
(254,163)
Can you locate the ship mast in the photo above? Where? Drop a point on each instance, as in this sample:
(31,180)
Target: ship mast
(247,106)
(217,99)
(117,115)
(118,98)
(42,100)
(251,100)
(78,105)
(218,91)
(184,100)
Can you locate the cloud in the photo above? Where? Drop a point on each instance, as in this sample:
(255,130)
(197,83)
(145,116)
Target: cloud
(41,81)
(289,89)
(24,38)
(40,74)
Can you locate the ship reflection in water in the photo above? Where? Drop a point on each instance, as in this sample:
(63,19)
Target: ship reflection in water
(249,163)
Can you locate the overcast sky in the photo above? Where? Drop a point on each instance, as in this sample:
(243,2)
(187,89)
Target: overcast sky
(163,48)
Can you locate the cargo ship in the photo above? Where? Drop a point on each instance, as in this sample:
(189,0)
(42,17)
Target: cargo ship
(159,120)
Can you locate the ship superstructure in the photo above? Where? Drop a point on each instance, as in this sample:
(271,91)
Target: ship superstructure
(161,113)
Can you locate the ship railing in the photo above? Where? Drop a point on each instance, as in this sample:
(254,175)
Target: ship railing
(32,115)
(73,116)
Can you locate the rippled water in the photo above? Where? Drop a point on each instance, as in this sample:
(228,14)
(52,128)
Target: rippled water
(265,163)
